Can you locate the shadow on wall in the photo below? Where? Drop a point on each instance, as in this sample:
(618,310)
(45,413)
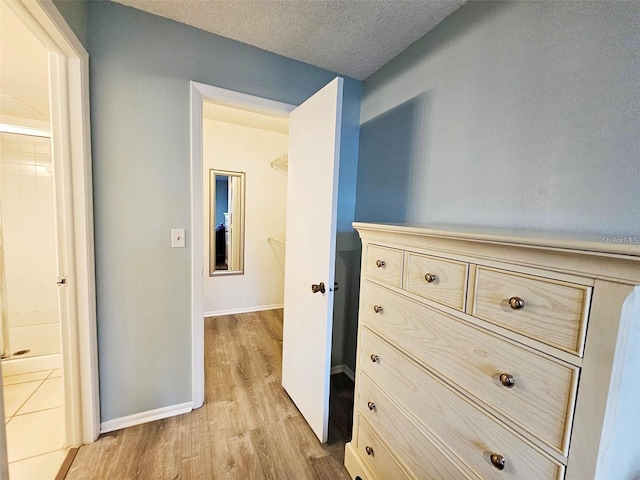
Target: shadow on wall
(392,154)
(279,249)
(345,316)
(351,327)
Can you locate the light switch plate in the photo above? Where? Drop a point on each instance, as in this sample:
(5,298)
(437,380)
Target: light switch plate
(177,238)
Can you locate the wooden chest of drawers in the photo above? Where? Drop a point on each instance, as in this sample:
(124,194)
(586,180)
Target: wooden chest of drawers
(488,355)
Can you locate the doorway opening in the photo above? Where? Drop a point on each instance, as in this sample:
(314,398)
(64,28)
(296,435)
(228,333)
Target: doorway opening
(32,356)
(243,145)
(30,314)
(321,164)
(47,293)
(248,113)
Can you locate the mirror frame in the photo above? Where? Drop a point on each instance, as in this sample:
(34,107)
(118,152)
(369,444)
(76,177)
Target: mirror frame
(238,225)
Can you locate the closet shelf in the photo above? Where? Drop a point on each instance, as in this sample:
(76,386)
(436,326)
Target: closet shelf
(281,163)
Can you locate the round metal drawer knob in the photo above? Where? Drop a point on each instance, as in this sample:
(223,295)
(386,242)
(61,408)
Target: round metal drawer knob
(374,357)
(507,380)
(430,277)
(498,461)
(516,303)
(377,308)
(371,406)
(369,450)
(380,263)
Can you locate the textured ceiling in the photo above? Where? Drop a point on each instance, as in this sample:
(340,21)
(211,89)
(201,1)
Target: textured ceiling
(350,37)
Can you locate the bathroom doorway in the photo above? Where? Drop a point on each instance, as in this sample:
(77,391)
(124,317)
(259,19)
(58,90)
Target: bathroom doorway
(47,286)
(29,318)
(31,344)
(32,375)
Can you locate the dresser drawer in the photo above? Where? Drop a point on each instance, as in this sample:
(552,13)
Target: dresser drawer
(542,399)
(550,311)
(466,430)
(420,456)
(443,281)
(384,265)
(375,455)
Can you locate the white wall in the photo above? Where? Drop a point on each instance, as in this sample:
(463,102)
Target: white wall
(28,236)
(246,149)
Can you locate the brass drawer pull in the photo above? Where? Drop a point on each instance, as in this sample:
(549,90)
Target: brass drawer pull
(516,303)
(430,277)
(498,461)
(369,450)
(380,263)
(377,308)
(371,406)
(507,380)
(374,357)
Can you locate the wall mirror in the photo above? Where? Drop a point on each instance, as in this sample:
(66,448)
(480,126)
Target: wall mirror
(226,223)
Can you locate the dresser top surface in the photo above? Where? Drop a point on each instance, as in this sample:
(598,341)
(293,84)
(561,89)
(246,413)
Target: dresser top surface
(611,244)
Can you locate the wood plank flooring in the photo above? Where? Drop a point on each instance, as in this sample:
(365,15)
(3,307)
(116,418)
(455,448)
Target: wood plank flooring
(248,427)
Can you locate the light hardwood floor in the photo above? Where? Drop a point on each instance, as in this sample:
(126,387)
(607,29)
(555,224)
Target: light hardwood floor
(247,429)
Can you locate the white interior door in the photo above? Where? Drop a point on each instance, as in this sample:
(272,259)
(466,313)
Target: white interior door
(312,193)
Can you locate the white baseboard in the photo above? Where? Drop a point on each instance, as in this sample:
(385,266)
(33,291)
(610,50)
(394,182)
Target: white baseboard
(144,417)
(233,311)
(343,369)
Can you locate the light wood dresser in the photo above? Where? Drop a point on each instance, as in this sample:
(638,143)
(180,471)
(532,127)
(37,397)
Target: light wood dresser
(486,354)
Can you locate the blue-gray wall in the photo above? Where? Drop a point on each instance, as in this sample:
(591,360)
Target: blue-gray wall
(509,114)
(140,68)
(75,14)
(519,114)
(345,308)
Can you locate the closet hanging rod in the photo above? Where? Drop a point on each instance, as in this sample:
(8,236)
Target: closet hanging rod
(281,161)
(277,240)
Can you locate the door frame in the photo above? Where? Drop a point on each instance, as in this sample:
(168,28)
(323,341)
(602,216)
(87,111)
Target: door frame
(69,90)
(230,98)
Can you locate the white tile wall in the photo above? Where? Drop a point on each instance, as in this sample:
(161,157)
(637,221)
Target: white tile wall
(27,208)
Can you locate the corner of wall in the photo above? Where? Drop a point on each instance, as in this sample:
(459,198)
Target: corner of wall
(75,13)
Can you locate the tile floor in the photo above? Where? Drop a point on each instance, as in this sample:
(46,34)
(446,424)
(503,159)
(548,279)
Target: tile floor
(34,417)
